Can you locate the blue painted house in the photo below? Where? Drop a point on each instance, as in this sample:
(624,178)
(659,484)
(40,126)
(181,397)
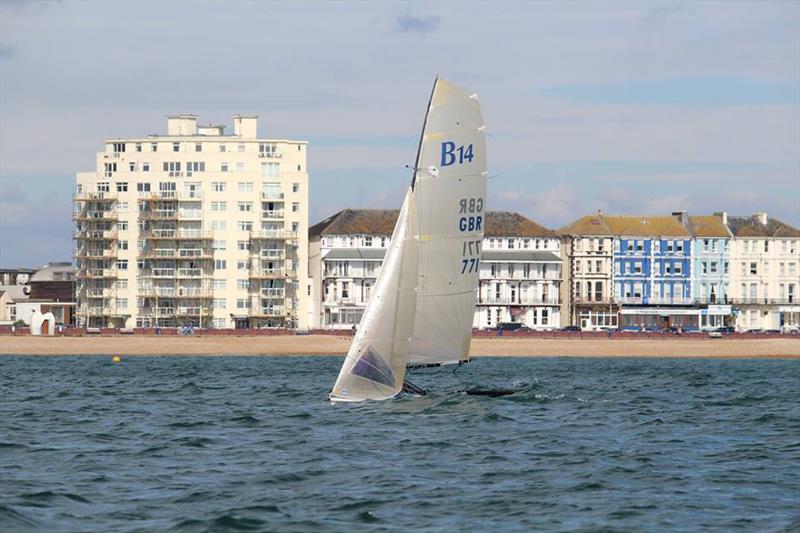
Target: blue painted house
(711,269)
(653,271)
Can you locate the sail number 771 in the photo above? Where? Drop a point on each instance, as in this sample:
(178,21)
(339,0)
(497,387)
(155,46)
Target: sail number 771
(451,154)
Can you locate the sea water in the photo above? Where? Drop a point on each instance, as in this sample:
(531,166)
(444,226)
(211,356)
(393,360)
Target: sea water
(216,443)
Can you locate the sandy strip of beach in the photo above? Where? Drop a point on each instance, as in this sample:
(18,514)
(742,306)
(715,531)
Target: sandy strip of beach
(330,345)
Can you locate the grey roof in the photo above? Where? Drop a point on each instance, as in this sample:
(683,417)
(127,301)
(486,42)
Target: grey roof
(17,292)
(370,254)
(520,255)
(55,272)
(382,221)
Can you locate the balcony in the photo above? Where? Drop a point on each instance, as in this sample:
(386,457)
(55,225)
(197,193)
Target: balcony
(273,253)
(272,214)
(189,311)
(272,293)
(190,196)
(271,195)
(269,234)
(97,273)
(505,300)
(269,312)
(158,311)
(270,274)
(107,196)
(96,254)
(190,272)
(159,214)
(191,214)
(788,300)
(162,273)
(158,195)
(95,215)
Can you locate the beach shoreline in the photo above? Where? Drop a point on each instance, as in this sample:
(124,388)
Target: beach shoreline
(330,345)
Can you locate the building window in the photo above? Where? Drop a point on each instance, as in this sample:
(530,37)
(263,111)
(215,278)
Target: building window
(244,186)
(295,187)
(243,245)
(132,166)
(198,147)
(298,168)
(243,284)
(122,264)
(295,226)
(218,186)
(122,186)
(122,225)
(240,147)
(220,264)
(218,246)
(270,170)
(176,147)
(295,207)
(219,206)
(239,167)
(145,166)
(110,168)
(195,166)
(242,303)
(153,147)
(245,206)
(368,241)
(220,303)
(243,265)
(223,167)
(245,225)
(123,245)
(753,268)
(218,225)
(173,168)
(219,284)
(138,147)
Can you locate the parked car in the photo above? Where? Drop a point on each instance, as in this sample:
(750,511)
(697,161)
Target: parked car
(652,329)
(791,328)
(571,328)
(772,331)
(512,326)
(725,329)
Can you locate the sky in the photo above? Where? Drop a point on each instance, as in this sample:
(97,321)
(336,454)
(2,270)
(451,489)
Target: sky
(624,107)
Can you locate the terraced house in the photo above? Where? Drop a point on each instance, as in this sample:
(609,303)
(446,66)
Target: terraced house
(520,272)
(764,272)
(652,271)
(711,244)
(587,250)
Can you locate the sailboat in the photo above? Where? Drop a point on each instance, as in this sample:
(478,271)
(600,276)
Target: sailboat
(423,302)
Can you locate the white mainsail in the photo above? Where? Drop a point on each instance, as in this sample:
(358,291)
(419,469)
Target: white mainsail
(450,192)
(423,302)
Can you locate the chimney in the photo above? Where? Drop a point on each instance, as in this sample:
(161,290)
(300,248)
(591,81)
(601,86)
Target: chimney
(682,216)
(761,216)
(723,215)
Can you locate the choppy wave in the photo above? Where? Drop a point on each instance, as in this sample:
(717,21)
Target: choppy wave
(211,444)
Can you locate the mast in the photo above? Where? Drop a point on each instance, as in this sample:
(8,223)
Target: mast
(422,133)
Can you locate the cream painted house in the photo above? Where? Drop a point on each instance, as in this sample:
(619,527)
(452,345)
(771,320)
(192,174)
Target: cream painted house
(520,274)
(764,272)
(195,227)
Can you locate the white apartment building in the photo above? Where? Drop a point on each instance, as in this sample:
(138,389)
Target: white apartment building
(519,277)
(588,251)
(520,274)
(194,227)
(764,272)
